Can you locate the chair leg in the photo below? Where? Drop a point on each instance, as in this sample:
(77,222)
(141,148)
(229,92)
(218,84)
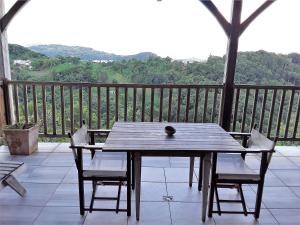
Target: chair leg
(93,195)
(259,194)
(81,195)
(191,172)
(132,173)
(118,197)
(218,200)
(200,174)
(243,199)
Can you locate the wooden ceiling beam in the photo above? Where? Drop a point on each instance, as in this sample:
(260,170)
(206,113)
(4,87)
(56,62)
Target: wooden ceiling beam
(255,14)
(217,14)
(5,20)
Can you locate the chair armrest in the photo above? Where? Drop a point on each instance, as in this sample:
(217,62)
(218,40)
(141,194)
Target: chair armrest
(104,131)
(239,134)
(88,147)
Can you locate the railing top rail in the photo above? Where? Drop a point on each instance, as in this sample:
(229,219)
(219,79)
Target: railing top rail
(136,85)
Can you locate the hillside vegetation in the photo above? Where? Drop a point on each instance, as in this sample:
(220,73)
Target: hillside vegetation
(259,67)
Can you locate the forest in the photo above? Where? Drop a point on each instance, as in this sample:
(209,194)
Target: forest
(101,107)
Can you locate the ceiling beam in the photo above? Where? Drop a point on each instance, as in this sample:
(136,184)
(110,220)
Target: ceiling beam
(255,14)
(218,15)
(6,19)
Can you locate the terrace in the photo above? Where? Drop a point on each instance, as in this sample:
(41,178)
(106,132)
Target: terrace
(59,108)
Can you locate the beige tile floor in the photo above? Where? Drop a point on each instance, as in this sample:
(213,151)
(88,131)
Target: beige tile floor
(52,198)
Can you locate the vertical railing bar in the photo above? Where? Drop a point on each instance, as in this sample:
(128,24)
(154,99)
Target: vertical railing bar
(134,105)
(236,108)
(170,104)
(125,103)
(35,108)
(213,114)
(71,110)
(90,106)
(152,104)
(196,105)
(289,114)
(297,117)
(178,104)
(161,104)
(25,103)
(99,107)
(280,112)
(143,104)
(80,107)
(245,110)
(62,110)
(254,108)
(44,109)
(107,107)
(117,104)
(271,112)
(53,109)
(262,113)
(187,109)
(205,105)
(16,100)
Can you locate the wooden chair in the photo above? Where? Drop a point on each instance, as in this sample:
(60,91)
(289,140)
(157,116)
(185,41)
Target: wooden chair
(104,168)
(231,170)
(7,171)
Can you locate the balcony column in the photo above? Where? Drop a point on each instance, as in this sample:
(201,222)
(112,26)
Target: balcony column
(4,74)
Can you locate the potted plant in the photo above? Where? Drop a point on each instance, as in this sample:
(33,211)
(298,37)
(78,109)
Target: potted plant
(22,139)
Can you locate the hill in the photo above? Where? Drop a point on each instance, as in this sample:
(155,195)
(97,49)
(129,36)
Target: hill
(88,54)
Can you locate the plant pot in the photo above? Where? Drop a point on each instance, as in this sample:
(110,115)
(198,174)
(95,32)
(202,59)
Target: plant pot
(22,141)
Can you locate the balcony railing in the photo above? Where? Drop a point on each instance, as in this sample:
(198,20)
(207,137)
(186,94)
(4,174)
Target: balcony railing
(60,108)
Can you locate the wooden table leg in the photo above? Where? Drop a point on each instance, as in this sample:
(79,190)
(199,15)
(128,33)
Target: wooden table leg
(128,184)
(138,168)
(206,175)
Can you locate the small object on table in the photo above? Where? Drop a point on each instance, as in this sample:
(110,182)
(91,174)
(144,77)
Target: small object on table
(170,130)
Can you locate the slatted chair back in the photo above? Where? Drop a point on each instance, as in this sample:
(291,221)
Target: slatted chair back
(258,141)
(79,138)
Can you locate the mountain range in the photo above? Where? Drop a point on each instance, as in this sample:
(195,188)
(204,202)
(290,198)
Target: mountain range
(88,54)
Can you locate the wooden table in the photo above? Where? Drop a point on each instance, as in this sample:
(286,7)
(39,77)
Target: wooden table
(190,139)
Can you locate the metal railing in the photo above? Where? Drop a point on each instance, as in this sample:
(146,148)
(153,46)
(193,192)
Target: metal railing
(59,107)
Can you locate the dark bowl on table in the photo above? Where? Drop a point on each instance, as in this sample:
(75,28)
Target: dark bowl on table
(170,130)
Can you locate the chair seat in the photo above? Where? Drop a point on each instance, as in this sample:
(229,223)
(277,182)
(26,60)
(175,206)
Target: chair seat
(107,164)
(232,166)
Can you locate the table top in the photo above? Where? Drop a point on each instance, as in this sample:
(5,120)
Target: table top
(151,136)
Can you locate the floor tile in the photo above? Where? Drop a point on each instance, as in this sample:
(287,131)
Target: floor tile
(107,218)
(153,191)
(59,159)
(156,162)
(63,147)
(281,163)
(36,195)
(34,159)
(187,214)
(280,197)
(289,177)
(47,146)
(153,174)
(178,175)
(152,213)
(60,215)
(18,215)
(287,216)
(288,150)
(181,192)
(42,174)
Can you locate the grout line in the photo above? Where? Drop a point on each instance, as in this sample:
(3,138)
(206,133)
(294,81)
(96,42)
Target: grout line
(169,204)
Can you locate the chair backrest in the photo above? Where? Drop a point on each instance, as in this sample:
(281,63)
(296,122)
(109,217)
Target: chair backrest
(79,138)
(258,141)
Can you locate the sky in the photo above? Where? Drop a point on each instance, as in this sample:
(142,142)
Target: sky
(179,29)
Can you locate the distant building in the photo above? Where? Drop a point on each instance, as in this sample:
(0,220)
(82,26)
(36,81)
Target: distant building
(25,63)
(102,61)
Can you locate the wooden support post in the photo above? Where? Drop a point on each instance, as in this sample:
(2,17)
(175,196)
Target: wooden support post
(6,97)
(233,31)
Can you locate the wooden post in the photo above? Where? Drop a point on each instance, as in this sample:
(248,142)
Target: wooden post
(6,99)
(233,31)
(230,64)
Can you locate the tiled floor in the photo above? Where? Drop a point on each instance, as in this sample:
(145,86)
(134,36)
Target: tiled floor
(52,194)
